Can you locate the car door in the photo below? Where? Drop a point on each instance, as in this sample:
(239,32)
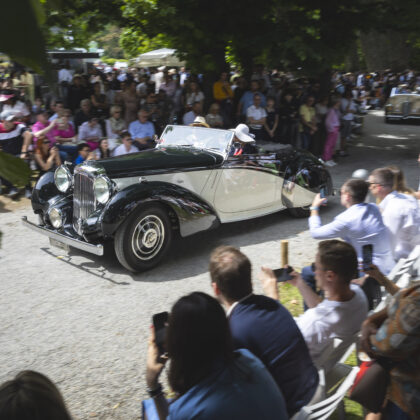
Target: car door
(247,182)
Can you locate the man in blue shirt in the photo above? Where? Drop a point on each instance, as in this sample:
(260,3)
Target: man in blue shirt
(142,131)
(263,326)
(248,99)
(83,150)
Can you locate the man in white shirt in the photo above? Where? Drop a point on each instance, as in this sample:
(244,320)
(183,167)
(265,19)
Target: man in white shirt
(345,307)
(400,213)
(256,116)
(126,147)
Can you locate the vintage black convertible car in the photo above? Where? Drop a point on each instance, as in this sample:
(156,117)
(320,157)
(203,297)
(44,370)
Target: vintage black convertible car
(187,184)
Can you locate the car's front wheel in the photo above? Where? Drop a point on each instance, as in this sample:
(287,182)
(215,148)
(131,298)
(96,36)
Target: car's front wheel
(143,239)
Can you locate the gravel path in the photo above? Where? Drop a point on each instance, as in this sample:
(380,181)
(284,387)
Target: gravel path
(84,321)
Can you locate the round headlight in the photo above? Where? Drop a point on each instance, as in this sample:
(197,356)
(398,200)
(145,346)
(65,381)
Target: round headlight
(63,179)
(102,187)
(56,218)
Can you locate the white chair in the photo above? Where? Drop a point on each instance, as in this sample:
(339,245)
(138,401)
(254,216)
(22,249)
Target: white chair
(323,409)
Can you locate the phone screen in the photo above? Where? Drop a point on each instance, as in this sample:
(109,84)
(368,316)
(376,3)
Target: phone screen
(367,252)
(323,192)
(283,274)
(160,322)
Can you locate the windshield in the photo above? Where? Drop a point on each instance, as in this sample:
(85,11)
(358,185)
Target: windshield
(199,137)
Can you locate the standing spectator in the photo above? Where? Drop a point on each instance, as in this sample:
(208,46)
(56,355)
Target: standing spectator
(307,127)
(76,93)
(264,327)
(46,157)
(127,145)
(27,80)
(102,152)
(99,102)
(190,116)
(332,125)
(271,121)
(288,119)
(247,99)
(142,131)
(91,132)
(211,381)
(151,106)
(348,108)
(256,118)
(130,102)
(237,95)
(31,395)
(213,118)
(194,94)
(64,79)
(401,213)
(168,86)
(223,95)
(321,110)
(85,114)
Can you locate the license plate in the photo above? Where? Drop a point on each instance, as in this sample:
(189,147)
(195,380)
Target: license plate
(59,244)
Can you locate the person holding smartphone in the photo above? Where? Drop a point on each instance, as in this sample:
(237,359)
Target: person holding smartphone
(360,224)
(210,379)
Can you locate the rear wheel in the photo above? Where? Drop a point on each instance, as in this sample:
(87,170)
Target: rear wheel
(300,212)
(144,239)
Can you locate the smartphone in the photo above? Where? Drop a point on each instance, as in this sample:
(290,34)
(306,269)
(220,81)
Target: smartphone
(160,322)
(367,253)
(323,192)
(283,274)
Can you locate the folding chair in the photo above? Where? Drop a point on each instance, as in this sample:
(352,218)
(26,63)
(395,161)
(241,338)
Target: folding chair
(323,409)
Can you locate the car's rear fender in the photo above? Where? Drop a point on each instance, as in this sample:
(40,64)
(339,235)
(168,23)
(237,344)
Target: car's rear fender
(193,213)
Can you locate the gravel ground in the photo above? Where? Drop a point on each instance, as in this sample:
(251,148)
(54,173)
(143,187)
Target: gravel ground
(84,321)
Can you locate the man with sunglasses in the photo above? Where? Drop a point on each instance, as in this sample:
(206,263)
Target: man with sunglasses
(400,213)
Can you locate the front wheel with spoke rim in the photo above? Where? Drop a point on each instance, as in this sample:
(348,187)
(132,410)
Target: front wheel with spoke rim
(144,238)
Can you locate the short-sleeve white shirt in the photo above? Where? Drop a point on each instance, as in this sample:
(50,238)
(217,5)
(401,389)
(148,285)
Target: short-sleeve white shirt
(331,319)
(256,114)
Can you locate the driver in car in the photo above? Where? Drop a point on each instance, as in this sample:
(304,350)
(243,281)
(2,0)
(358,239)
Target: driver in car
(243,142)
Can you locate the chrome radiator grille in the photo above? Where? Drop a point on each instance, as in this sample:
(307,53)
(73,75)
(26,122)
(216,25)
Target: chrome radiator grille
(83,198)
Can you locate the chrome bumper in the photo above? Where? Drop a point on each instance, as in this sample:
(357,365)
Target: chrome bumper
(76,243)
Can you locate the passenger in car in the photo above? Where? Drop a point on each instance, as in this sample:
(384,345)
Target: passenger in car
(243,142)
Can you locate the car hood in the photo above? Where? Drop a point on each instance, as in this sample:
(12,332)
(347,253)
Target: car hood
(162,159)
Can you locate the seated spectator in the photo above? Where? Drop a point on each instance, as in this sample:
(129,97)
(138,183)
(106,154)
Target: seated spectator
(142,131)
(12,104)
(31,396)
(43,126)
(103,151)
(63,131)
(46,156)
(264,327)
(190,116)
(84,153)
(343,310)
(400,213)
(15,139)
(85,114)
(271,121)
(213,118)
(256,117)
(58,110)
(210,380)
(115,125)
(91,132)
(401,320)
(126,146)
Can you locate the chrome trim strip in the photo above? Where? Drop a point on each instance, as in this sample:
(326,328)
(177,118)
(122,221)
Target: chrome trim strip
(76,243)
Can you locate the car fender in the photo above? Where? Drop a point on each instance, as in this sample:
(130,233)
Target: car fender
(193,213)
(303,178)
(44,190)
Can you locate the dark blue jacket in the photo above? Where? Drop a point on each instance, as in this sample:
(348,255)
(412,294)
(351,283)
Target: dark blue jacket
(268,330)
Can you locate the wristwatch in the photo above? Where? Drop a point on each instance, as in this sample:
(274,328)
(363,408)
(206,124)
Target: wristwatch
(156,391)
(314,208)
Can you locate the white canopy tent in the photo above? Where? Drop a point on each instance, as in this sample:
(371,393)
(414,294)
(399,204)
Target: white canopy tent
(161,57)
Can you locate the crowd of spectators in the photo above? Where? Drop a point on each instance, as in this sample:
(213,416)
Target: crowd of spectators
(105,103)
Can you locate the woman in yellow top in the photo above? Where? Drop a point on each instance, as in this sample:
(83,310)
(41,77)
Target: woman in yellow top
(307,126)
(223,94)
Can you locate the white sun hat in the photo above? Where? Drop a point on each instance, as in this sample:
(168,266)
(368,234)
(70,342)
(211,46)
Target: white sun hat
(242,133)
